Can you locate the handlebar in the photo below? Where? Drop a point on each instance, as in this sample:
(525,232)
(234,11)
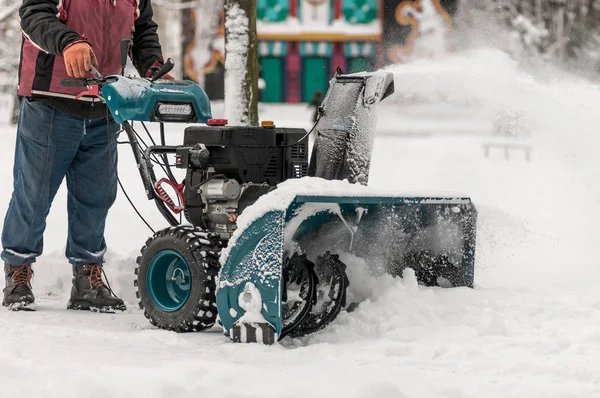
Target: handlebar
(101,80)
(73,82)
(83,82)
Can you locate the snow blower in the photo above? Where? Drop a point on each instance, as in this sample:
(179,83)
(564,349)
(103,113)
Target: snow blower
(266,231)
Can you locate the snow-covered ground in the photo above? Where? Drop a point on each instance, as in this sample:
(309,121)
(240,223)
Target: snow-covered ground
(530,328)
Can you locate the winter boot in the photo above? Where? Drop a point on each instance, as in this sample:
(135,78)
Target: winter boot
(17,293)
(90,292)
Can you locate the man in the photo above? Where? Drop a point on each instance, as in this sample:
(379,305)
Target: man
(60,136)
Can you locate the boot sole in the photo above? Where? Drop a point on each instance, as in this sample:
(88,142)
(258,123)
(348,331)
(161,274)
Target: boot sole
(106,309)
(21,306)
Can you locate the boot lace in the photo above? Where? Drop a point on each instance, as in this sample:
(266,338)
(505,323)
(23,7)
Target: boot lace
(22,275)
(96,280)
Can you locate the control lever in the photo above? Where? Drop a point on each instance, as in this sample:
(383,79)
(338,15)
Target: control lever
(125,43)
(166,68)
(96,74)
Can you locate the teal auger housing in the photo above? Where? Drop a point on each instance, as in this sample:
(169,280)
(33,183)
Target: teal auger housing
(285,273)
(264,235)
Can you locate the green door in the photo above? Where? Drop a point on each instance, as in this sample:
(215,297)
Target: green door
(315,71)
(359,65)
(272,73)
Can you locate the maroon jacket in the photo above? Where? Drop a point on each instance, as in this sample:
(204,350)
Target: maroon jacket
(50,26)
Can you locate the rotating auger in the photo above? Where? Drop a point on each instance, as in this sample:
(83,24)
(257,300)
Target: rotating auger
(313,295)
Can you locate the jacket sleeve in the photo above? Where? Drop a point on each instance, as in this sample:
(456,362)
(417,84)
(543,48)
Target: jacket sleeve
(146,51)
(40,24)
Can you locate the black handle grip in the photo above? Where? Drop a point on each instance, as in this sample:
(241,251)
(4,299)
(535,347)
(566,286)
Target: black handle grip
(166,68)
(125,43)
(73,82)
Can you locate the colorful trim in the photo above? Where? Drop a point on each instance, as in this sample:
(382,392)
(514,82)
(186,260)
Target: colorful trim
(293,8)
(360,11)
(337,9)
(272,48)
(272,10)
(318,36)
(338,59)
(293,71)
(355,49)
(318,49)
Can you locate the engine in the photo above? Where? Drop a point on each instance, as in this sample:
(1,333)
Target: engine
(229,168)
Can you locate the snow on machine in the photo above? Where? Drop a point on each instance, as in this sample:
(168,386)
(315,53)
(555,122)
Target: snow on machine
(267,226)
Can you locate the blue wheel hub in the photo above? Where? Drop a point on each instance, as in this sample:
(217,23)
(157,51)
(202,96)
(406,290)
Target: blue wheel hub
(169,280)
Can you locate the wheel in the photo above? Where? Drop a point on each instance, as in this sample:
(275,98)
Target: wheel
(176,279)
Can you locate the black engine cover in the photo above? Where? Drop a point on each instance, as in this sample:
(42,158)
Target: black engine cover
(253,154)
(258,158)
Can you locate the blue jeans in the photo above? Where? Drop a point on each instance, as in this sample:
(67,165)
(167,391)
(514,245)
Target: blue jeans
(51,145)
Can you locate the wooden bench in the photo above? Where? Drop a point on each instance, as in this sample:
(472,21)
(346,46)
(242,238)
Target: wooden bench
(507,147)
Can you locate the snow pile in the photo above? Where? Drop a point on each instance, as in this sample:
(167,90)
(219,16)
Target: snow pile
(236,49)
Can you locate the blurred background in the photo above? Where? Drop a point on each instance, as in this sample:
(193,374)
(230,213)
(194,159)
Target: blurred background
(302,42)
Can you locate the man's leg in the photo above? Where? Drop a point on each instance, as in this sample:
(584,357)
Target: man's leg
(47,142)
(92,185)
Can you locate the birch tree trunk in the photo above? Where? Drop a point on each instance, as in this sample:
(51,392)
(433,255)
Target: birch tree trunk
(241,63)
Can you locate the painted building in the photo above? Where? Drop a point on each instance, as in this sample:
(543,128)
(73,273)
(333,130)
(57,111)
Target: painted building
(303,42)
